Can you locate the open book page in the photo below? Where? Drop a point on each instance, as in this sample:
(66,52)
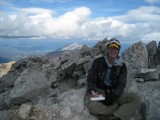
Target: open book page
(100,97)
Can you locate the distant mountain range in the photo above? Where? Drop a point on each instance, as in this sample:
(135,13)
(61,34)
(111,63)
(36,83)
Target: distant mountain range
(15,49)
(32,52)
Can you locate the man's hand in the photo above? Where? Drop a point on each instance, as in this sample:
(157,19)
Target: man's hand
(94,93)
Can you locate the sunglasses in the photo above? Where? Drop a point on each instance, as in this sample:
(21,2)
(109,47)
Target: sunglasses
(113,48)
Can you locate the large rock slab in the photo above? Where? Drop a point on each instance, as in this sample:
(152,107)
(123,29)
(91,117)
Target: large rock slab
(148,74)
(135,57)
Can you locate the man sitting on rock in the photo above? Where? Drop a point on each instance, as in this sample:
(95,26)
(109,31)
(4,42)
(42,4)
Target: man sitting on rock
(107,76)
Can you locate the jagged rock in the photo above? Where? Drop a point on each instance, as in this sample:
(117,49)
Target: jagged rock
(68,68)
(35,94)
(73,99)
(157,59)
(3,105)
(152,51)
(77,74)
(1,88)
(24,111)
(82,64)
(69,106)
(87,65)
(139,80)
(135,57)
(17,101)
(99,48)
(66,113)
(84,51)
(82,61)
(148,74)
(94,52)
(152,48)
(149,112)
(19,70)
(54,85)
(29,81)
(81,83)
(20,65)
(158,49)
(8,80)
(158,68)
(100,43)
(6,115)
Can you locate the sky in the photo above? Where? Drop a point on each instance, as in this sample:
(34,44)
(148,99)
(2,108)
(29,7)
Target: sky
(128,20)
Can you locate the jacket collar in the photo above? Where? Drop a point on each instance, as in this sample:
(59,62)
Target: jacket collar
(118,61)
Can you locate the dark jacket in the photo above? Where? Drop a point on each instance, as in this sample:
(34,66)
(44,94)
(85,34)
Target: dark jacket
(96,74)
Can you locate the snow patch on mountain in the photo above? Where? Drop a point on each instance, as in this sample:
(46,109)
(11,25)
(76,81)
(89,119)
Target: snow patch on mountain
(74,46)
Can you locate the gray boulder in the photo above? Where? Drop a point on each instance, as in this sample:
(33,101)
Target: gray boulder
(148,74)
(152,51)
(135,57)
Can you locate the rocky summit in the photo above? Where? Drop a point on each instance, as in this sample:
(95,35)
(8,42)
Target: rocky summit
(53,88)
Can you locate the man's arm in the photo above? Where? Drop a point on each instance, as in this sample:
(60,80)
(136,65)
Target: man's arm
(91,77)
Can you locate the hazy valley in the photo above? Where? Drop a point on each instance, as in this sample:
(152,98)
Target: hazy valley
(16,49)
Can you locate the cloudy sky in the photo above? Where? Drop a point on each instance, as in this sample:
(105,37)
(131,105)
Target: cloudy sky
(128,20)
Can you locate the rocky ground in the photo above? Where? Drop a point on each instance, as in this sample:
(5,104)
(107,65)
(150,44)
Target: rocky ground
(38,88)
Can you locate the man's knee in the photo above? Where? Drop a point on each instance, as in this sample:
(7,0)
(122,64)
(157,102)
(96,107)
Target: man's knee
(98,108)
(93,108)
(137,99)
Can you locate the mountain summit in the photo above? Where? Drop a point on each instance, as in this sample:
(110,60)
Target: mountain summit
(67,48)
(74,46)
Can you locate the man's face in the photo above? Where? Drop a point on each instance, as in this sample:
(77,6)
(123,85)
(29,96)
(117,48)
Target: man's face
(113,52)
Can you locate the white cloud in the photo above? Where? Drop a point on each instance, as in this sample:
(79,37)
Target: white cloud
(144,21)
(142,14)
(152,36)
(137,24)
(43,23)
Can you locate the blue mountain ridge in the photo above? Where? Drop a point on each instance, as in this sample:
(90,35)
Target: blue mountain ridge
(15,49)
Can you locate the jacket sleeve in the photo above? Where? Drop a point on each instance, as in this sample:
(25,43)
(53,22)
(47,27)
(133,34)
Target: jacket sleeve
(91,77)
(122,80)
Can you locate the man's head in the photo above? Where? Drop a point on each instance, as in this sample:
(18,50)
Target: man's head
(113,47)
(113,42)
